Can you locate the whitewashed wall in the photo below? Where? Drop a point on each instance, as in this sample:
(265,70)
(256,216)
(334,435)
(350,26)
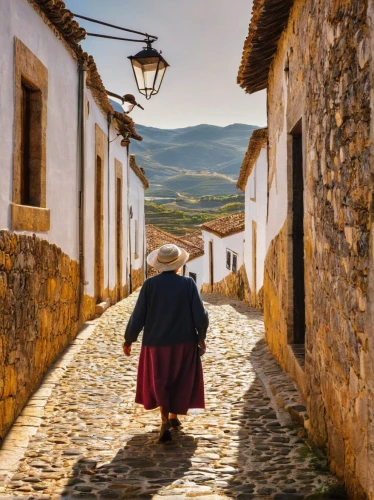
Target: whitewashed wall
(196,266)
(234,242)
(136,200)
(255,211)
(118,152)
(19,19)
(278,190)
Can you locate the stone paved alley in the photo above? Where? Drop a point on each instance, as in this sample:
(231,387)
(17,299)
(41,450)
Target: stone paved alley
(81,435)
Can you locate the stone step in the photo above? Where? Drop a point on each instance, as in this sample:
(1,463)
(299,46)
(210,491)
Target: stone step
(102,307)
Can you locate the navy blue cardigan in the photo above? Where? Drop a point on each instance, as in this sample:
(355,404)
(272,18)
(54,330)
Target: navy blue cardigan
(170,310)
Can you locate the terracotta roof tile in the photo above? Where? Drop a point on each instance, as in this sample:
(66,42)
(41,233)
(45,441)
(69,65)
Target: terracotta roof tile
(226,226)
(156,237)
(62,22)
(269,18)
(195,238)
(257,141)
(139,172)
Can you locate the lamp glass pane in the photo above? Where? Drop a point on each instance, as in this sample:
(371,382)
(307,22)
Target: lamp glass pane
(160,75)
(150,70)
(139,74)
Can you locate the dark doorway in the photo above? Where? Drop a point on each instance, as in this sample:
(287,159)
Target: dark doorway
(193,276)
(298,237)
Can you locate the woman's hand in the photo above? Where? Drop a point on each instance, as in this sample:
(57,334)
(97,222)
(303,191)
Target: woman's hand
(127,349)
(202,347)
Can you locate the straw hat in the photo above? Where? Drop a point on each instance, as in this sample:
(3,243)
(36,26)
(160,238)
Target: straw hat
(168,258)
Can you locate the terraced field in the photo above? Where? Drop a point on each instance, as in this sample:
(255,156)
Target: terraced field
(182,214)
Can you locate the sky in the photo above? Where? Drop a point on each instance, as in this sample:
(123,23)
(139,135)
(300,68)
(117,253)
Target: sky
(202,40)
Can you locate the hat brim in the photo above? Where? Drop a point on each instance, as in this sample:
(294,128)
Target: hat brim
(173,266)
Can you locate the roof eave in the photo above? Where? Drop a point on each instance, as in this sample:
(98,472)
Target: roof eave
(269,19)
(223,235)
(256,142)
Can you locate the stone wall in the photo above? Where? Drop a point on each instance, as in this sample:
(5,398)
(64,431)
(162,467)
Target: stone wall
(327,52)
(276,296)
(137,278)
(39,290)
(235,285)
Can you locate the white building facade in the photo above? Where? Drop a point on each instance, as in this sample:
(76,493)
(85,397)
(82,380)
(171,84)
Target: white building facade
(138,183)
(223,253)
(253,181)
(64,193)
(195,270)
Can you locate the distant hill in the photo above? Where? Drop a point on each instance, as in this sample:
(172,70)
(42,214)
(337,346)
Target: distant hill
(197,185)
(173,157)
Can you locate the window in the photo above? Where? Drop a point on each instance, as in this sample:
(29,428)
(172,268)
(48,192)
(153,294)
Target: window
(234,263)
(29,212)
(193,276)
(228,259)
(30,181)
(231,260)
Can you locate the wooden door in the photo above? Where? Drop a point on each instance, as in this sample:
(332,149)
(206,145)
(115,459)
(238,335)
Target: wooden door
(99,231)
(119,237)
(254,262)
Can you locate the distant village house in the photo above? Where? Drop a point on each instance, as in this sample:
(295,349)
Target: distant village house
(223,256)
(192,243)
(253,181)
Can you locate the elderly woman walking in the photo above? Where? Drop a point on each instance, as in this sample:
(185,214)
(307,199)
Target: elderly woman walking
(175,323)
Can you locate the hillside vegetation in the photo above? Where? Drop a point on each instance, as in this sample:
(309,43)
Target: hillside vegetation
(203,149)
(183,215)
(193,173)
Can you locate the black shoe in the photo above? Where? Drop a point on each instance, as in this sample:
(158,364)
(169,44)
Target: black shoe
(175,422)
(165,434)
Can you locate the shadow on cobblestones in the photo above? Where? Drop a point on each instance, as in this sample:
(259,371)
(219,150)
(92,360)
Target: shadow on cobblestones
(95,443)
(139,470)
(275,460)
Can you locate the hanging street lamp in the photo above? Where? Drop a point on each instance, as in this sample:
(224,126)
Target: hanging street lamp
(148,65)
(149,70)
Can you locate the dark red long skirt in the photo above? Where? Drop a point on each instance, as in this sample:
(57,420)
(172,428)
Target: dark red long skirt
(171,377)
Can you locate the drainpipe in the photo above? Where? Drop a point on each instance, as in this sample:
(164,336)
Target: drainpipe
(81,165)
(144,244)
(109,118)
(130,217)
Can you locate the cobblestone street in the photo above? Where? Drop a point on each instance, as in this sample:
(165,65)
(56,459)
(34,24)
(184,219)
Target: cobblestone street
(82,436)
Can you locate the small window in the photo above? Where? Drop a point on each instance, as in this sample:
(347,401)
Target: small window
(30,180)
(29,212)
(231,260)
(228,259)
(234,263)
(193,276)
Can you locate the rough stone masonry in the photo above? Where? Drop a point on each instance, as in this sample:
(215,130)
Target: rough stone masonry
(326,50)
(39,288)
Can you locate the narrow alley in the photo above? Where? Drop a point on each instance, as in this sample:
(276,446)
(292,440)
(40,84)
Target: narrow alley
(87,439)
